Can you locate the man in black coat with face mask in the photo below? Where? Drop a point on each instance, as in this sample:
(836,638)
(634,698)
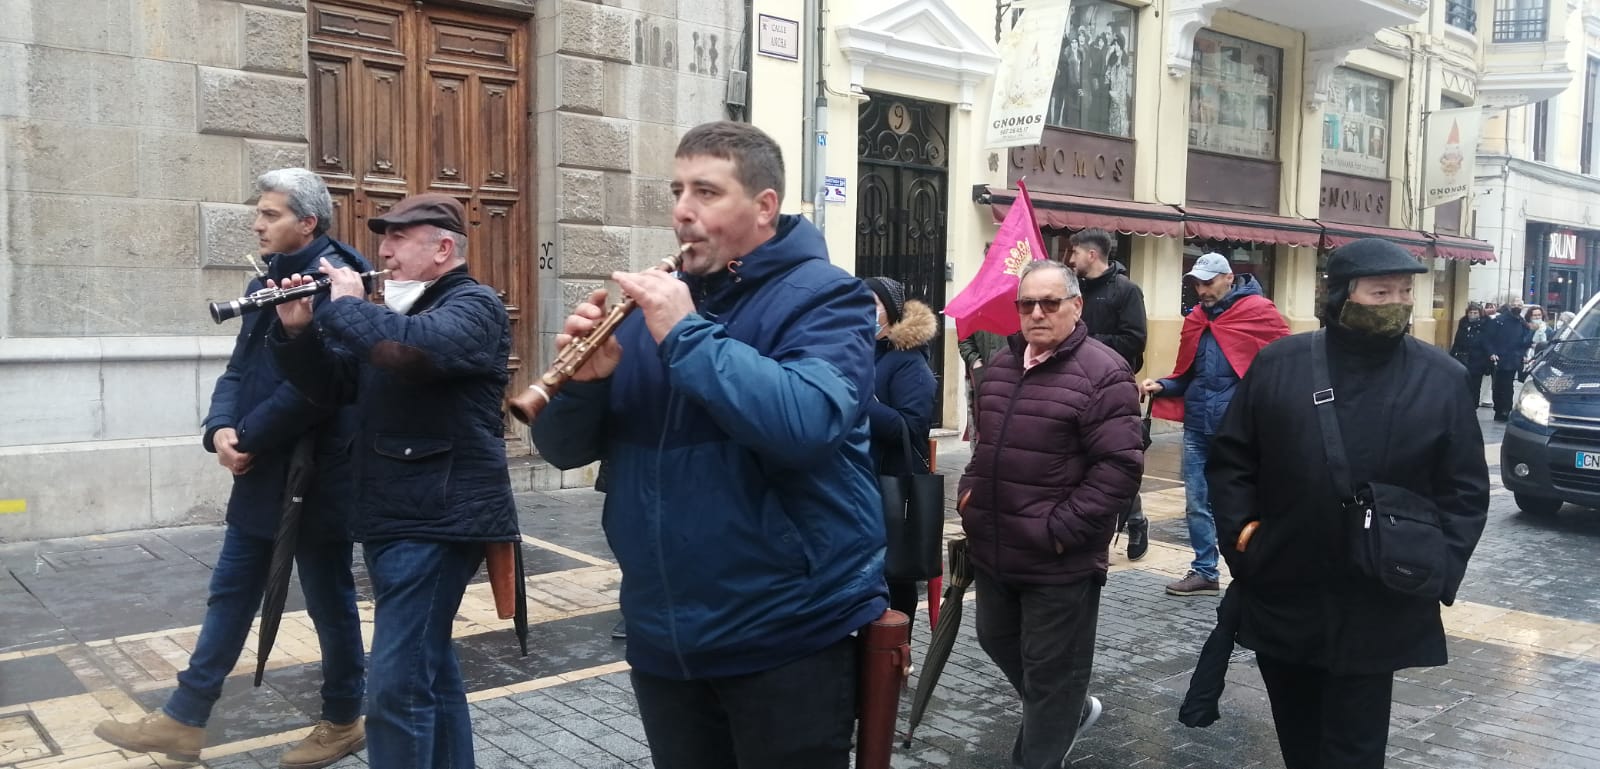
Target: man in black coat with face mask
(1328,639)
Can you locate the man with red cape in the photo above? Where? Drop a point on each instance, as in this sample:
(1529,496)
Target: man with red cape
(1220,338)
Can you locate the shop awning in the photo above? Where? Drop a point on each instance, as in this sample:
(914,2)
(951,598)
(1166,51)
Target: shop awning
(1337,234)
(1212,224)
(1073,212)
(1463,249)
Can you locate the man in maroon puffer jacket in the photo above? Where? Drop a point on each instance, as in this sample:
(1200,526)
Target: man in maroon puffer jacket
(1058,457)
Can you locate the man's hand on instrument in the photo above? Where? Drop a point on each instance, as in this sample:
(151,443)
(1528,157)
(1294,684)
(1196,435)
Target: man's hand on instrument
(346,282)
(662,298)
(294,316)
(226,441)
(580,324)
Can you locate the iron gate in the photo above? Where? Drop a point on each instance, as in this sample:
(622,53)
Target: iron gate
(900,211)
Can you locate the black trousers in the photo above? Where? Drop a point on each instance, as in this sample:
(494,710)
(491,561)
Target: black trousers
(1475,387)
(1326,721)
(1502,390)
(1042,638)
(796,716)
(903,597)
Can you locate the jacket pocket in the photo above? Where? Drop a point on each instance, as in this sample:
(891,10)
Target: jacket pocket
(409,476)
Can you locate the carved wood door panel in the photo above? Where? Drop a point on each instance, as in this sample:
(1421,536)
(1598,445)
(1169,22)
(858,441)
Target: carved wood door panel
(408,97)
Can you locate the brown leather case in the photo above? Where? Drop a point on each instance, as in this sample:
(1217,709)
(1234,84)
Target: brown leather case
(882,668)
(500,561)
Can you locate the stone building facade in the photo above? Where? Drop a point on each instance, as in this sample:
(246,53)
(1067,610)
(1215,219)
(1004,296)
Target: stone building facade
(133,131)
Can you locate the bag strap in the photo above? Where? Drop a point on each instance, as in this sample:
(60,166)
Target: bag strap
(1322,401)
(914,461)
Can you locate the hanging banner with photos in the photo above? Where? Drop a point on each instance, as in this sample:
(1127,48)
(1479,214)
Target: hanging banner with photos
(1233,96)
(1029,52)
(1355,124)
(1450,151)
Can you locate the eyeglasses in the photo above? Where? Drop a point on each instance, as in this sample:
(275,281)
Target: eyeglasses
(1025,306)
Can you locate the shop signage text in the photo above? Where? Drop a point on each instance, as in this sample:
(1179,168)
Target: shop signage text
(1073,163)
(1354,200)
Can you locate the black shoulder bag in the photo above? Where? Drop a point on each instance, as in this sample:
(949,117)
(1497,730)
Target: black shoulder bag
(1394,533)
(913,517)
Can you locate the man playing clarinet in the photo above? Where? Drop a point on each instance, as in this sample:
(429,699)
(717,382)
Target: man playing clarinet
(257,421)
(741,501)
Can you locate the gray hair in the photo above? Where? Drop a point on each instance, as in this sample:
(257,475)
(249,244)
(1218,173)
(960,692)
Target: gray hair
(307,195)
(454,237)
(1049,264)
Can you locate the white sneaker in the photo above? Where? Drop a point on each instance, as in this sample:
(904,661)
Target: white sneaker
(1091,714)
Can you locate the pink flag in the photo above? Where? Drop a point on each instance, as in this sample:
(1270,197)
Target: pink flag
(988,302)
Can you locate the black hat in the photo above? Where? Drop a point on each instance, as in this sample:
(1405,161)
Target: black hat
(892,294)
(433,208)
(1370,256)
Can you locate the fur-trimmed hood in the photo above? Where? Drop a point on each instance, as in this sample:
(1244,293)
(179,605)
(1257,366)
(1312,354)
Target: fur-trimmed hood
(917,327)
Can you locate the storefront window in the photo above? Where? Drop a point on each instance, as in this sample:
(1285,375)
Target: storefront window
(1355,124)
(1253,258)
(1233,96)
(1093,89)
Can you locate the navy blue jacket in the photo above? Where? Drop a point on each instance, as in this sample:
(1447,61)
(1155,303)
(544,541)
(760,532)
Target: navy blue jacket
(1207,388)
(1507,336)
(741,501)
(253,397)
(430,455)
(903,390)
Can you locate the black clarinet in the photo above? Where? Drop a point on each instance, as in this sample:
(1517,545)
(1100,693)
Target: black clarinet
(271,297)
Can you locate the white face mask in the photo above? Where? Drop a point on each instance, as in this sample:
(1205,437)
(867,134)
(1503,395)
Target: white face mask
(400,295)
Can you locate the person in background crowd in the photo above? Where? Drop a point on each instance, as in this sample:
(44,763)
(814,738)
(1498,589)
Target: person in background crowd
(1468,348)
(1507,339)
(902,397)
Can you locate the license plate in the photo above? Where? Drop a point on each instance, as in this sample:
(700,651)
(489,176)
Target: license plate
(1587,460)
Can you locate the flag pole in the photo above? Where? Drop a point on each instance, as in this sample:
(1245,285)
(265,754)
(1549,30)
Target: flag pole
(1027,201)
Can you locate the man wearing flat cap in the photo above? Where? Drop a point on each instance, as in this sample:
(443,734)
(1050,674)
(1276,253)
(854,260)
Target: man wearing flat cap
(1328,637)
(427,374)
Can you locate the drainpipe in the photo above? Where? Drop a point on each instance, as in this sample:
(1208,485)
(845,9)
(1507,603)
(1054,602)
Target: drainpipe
(814,159)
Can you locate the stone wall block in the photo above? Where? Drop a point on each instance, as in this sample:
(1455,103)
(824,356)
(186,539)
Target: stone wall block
(592,251)
(619,199)
(64,24)
(657,144)
(583,84)
(652,202)
(93,159)
(163,96)
(225,235)
(220,40)
(580,196)
(59,83)
(659,96)
(251,104)
(274,41)
(591,29)
(650,245)
(147,233)
(592,142)
(623,83)
(164,29)
(53,229)
(263,156)
(183,166)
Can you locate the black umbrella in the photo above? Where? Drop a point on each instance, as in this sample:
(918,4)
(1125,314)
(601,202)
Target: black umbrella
(957,579)
(1211,671)
(284,546)
(520,621)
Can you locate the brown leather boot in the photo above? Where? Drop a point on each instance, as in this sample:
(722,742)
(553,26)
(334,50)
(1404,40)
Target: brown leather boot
(155,733)
(327,743)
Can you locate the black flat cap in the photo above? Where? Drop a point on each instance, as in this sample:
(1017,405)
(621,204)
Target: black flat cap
(433,208)
(1371,256)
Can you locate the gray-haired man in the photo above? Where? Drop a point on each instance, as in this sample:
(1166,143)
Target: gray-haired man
(257,421)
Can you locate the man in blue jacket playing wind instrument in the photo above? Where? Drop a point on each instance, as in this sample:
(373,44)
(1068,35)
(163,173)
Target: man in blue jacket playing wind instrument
(742,507)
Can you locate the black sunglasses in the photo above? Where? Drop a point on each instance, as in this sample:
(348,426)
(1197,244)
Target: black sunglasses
(1025,306)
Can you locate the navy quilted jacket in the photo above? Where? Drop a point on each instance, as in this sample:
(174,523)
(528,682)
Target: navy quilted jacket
(269,414)
(1058,457)
(741,499)
(430,456)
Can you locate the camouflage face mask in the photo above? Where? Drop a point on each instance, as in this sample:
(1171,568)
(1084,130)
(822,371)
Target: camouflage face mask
(1376,319)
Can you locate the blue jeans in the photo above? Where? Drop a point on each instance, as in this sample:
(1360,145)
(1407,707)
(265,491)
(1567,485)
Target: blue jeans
(236,587)
(417,711)
(1197,500)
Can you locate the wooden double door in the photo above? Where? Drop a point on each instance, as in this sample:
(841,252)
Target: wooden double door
(410,97)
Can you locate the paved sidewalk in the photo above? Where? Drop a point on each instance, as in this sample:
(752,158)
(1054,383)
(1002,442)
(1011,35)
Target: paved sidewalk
(99,626)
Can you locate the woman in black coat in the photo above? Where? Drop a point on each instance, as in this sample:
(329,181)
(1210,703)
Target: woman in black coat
(1469,349)
(903,397)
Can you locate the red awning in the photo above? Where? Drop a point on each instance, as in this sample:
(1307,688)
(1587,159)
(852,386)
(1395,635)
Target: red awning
(1337,234)
(1212,224)
(1072,212)
(1464,249)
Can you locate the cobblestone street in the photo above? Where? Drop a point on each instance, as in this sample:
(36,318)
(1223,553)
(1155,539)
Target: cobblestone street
(99,626)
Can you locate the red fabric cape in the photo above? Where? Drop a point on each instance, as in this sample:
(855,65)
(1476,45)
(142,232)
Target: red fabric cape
(1241,331)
